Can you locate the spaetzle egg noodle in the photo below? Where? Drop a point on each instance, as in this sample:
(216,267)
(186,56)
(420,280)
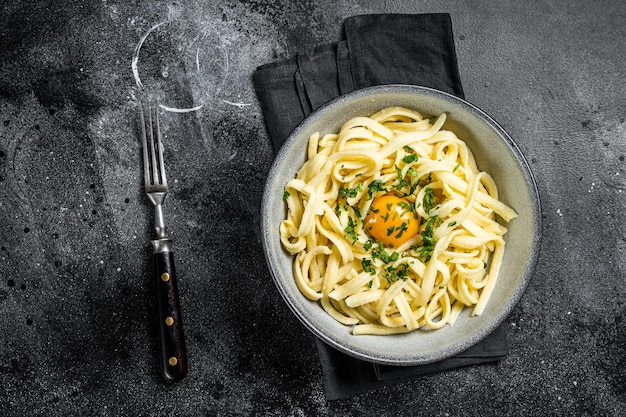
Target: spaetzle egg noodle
(451,264)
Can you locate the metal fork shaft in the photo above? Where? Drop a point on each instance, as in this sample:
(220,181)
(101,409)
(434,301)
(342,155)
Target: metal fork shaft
(157,199)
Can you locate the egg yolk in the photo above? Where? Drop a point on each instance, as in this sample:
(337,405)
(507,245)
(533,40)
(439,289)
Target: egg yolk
(391,220)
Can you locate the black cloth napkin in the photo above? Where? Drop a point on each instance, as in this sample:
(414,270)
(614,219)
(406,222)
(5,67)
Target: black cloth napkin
(373,50)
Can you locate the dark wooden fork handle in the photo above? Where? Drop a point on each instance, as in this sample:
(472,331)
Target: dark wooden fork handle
(173,352)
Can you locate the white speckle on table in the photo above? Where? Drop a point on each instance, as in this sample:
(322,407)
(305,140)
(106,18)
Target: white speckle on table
(593,184)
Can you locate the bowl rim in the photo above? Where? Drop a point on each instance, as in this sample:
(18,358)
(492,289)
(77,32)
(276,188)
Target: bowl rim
(531,185)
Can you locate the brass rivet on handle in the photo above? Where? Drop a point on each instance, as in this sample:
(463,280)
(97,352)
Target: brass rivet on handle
(165,277)
(169,321)
(172,361)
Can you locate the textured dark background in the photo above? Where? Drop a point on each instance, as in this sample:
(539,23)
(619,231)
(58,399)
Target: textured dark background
(75,308)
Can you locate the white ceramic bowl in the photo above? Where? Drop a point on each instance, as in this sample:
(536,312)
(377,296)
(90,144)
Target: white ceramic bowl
(495,152)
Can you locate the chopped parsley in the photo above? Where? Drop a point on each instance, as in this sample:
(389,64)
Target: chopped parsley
(406,206)
(386,258)
(428,240)
(339,209)
(403,228)
(381,253)
(350,192)
(410,158)
(367,266)
(375,187)
(427,235)
(429,200)
(401,181)
(394,273)
(350,230)
(390,272)
(286,195)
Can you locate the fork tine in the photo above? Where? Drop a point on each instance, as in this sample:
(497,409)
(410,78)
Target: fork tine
(159,145)
(153,161)
(144,141)
(155,170)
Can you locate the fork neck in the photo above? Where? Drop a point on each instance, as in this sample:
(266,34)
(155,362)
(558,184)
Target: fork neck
(159,220)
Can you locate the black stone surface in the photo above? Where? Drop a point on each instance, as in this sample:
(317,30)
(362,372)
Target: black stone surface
(76,310)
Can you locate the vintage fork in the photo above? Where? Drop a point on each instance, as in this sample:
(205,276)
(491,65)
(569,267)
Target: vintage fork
(172,341)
